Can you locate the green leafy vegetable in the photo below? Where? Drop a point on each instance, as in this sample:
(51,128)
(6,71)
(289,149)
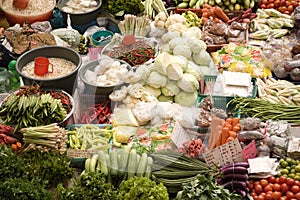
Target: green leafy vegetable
(88,186)
(121,7)
(205,187)
(142,188)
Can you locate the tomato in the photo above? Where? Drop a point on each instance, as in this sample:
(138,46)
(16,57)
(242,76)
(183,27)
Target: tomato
(282,9)
(253,194)
(282,2)
(284,188)
(250,186)
(271,179)
(271,5)
(258,189)
(264,1)
(268,188)
(282,179)
(271,1)
(260,197)
(256,183)
(290,8)
(295,4)
(287,3)
(287,12)
(276,187)
(268,197)
(289,195)
(297,195)
(264,182)
(290,182)
(277,180)
(263,6)
(276,195)
(276,3)
(295,189)
(297,183)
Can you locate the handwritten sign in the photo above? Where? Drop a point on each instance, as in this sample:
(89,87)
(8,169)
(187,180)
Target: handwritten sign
(78,153)
(179,135)
(227,153)
(249,151)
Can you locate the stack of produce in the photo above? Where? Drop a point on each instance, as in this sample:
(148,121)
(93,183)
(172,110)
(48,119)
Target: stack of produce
(133,25)
(278,91)
(270,22)
(90,137)
(120,164)
(284,6)
(290,168)
(193,148)
(234,177)
(226,5)
(174,169)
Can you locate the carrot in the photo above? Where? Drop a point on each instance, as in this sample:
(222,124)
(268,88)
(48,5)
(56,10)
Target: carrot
(220,14)
(205,14)
(236,128)
(217,20)
(229,120)
(204,20)
(219,141)
(235,121)
(229,139)
(206,6)
(229,126)
(232,134)
(204,10)
(19,144)
(211,13)
(225,134)
(14,147)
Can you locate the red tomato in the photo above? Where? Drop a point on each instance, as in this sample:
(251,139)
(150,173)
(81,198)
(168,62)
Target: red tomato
(276,3)
(268,188)
(284,188)
(282,9)
(271,1)
(287,12)
(271,179)
(276,195)
(295,189)
(297,183)
(287,3)
(289,195)
(276,187)
(260,197)
(270,5)
(263,6)
(290,8)
(258,189)
(282,179)
(264,1)
(282,2)
(253,194)
(264,182)
(256,183)
(268,197)
(297,196)
(290,182)
(295,4)
(277,180)
(250,186)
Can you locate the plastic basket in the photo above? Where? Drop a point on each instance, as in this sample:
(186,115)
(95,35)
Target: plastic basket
(220,101)
(78,156)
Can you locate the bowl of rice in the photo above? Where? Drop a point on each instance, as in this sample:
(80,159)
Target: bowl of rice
(65,61)
(36,10)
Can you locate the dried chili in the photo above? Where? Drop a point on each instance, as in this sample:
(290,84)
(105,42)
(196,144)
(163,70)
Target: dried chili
(97,114)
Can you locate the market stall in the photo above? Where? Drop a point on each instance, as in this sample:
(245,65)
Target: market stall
(149,99)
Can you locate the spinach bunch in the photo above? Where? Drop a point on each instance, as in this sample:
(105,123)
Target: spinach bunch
(88,186)
(120,7)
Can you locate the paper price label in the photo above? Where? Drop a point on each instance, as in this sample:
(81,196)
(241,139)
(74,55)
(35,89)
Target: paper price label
(249,151)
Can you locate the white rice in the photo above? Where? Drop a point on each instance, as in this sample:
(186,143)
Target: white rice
(61,67)
(34,7)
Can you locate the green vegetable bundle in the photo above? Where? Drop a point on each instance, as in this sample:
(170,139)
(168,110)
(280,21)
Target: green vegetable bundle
(33,110)
(120,7)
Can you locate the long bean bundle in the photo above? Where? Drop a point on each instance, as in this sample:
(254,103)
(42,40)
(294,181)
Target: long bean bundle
(265,110)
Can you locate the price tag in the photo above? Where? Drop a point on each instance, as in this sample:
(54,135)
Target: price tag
(249,151)
(227,153)
(179,135)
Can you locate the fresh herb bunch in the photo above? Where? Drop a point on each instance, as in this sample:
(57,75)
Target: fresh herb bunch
(46,169)
(205,187)
(142,188)
(23,189)
(88,186)
(121,7)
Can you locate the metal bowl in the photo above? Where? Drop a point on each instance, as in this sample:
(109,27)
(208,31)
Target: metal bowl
(66,82)
(79,18)
(90,88)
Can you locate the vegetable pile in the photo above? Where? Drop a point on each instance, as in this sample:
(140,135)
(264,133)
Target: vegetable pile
(97,114)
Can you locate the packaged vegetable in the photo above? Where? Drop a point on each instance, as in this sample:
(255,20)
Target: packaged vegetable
(244,136)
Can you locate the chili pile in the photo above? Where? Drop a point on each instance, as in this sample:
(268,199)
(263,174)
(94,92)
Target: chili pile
(134,54)
(97,114)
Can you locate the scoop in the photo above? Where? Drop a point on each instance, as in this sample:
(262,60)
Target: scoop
(21,4)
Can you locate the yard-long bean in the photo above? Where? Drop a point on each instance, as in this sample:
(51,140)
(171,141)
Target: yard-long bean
(265,110)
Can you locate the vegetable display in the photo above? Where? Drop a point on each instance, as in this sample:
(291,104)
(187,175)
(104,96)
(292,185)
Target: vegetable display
(286,6)
(97,114)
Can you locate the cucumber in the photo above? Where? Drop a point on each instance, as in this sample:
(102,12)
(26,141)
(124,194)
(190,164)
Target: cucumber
(149,167)
(132,164)
(93,163)
(183,5)
(87,165)
(141,169)
(107,159)
(192,3)
(113,156)
(123,161)
(102,163)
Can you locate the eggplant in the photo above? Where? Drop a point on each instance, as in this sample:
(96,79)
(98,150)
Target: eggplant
(233,185)
(237,164)
(235,170)
(241,192)
(230,177)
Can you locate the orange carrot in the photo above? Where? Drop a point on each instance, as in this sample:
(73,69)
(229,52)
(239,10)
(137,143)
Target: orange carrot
(217,20)
(229,139)
(211,13)
(236,128)
(205,14)
(204,20)
(14,147)
(220,14)
(235,121)
(225,134)
(206,6)
(229,120)
(19,144)
(232,134)
(219,141)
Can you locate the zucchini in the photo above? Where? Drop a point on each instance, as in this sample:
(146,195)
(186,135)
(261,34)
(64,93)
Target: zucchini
(87,165)
(141,169)
(132,164)
(93,163)
(113,156)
